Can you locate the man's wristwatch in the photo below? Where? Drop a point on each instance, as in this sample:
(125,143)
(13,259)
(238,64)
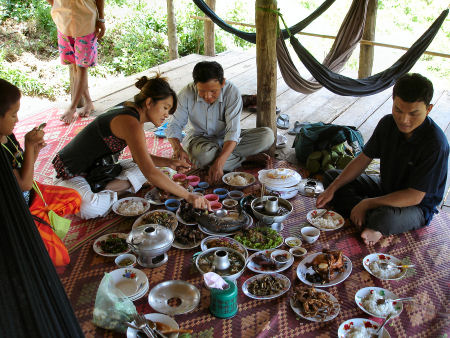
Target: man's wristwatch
(101,20)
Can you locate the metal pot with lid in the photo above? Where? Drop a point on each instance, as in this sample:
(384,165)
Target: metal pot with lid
(151,242)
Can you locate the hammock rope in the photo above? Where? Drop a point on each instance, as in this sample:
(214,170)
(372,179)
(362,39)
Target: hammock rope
(251,37)
(346,86)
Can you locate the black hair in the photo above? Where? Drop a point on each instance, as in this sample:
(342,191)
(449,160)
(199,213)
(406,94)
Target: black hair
(413,88)
(157,88)
(207,70)
(10,94)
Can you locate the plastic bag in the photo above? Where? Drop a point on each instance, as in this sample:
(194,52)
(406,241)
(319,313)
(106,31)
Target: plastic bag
(112,308)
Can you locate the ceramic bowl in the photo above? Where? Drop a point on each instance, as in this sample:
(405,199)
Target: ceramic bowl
(179,177)
(215,205)
(203,185)
(200,190)
(193,180)
(172,204)
(236,195)
(293,241)
(212,197)
(221,192)
(125,260)
(280,257)
(310,234)
(229,203)
(298,251)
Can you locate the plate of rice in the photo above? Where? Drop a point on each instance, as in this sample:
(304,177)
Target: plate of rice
(360,327)
(372,264)
(238,180)
(366,299)
(131,206)
(329,221)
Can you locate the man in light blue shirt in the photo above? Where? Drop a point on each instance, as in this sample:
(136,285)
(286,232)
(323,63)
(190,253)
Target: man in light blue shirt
(212,106)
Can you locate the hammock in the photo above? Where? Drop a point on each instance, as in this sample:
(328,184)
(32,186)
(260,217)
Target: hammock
(32,298)
(251,37)
(346,86)
(346,40)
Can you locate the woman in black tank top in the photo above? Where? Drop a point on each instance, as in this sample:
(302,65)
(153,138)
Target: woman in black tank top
(123,126)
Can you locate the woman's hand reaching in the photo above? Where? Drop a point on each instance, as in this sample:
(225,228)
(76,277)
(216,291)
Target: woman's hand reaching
(198,202)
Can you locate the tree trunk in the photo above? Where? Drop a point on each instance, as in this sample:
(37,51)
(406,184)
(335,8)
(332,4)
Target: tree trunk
(266,64)
(209,32)
(172,31)
(366,52)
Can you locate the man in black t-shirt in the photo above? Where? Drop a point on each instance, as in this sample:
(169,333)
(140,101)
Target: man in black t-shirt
(413,153)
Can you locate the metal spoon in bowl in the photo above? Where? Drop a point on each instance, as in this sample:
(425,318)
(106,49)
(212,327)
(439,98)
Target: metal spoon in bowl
(383,300)
(379,333)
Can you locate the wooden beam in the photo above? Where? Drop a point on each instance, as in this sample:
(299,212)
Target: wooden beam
(266,64)
(366,52)
(210,49)
(172,31)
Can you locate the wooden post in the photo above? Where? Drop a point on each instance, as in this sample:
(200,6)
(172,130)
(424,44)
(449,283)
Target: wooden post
(209,32)
(72,71)
(172,31)
(366,52)
(266,64)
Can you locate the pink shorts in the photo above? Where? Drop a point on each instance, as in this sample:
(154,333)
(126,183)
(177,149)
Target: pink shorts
(81,51)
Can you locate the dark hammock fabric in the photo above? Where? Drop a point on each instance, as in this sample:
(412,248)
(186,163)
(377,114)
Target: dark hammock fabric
(348,37)
(346,86)
(251,37)
(32,298)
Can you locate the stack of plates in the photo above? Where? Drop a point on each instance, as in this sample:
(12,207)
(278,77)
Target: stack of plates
(133,283)
(282,180)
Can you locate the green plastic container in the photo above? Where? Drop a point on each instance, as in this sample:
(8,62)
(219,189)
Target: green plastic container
(224,302)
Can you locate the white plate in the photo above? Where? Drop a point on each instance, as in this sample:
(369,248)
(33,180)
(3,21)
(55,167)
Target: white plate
(360,322)
(283,279)
(249,177)
(132,282)
(381,257)
(279,178)
(257,268)
(153,197)
(170,213)
(302,270)
(254,249)
(362,293)
(98,250)
(337,308)
(140,294)
(181,246)
(135,199)
(182,220)
(333,214)
(205,241)
(160,318)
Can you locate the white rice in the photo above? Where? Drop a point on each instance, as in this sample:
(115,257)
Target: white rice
(326,223)
(386,273)
(237,180)
(131,208)
(360,332)
(370,304)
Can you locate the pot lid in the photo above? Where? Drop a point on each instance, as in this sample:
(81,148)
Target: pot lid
(281,177)
(150,237)
(310,187)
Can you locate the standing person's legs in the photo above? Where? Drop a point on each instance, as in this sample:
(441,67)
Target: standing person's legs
(385,221)
(82,52)
(253,142)
(345,198)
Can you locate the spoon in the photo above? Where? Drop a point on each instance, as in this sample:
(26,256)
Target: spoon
(389,266)
(379,333)
(383,300)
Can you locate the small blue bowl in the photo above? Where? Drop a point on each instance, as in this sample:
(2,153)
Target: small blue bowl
(222,192)
(200,190)
(203,185)
(172,204)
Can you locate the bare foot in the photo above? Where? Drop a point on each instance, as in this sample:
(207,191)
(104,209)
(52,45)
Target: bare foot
(87,110)
(68,116)
(258,160)
(370,236)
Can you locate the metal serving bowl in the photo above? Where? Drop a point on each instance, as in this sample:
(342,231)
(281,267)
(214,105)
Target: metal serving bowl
(185,293)
(266,218)
(208,252)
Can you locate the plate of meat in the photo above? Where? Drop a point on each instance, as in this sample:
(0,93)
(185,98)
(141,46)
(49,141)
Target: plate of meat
(324,269)
(314,304)
(187,236)
(261,262)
